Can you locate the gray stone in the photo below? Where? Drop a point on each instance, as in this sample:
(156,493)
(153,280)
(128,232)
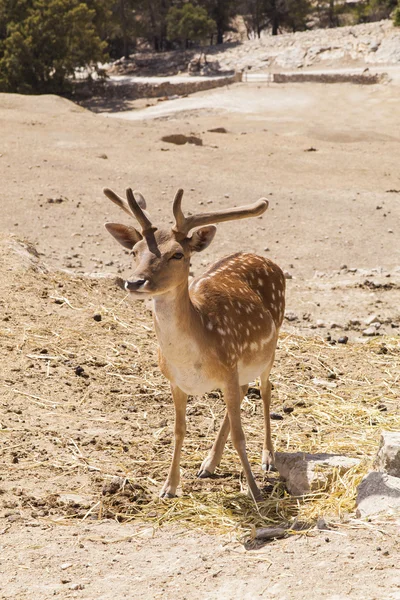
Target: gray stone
(270,533)
(371,320)
(388,457)
(291,58)
(388,52)
(378,493)
(370,331)
(305,473)
(291,316)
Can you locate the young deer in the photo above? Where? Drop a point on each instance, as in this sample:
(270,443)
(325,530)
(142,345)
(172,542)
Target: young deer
(219,332)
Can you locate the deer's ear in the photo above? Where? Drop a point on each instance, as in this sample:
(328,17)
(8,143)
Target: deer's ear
(202,238)
(127,236)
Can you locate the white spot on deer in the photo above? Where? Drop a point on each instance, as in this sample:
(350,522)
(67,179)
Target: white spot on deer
(273,296)
(248,331)
(221,331)
(209,325)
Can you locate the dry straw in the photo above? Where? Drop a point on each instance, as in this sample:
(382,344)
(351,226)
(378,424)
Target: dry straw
(333,398)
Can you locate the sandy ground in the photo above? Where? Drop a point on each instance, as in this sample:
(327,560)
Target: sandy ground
(327,159)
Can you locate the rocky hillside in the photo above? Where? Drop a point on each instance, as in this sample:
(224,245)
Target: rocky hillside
(366,44)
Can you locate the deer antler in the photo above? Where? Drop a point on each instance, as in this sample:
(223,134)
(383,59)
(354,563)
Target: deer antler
(184,224)
(134,207)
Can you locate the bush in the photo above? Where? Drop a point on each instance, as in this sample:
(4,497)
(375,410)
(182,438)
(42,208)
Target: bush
(43,46)
(396,16)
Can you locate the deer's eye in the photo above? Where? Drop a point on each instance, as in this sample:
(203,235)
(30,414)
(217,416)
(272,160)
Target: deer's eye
(177,255)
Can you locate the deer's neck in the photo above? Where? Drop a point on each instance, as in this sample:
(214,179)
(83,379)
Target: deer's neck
(176,320)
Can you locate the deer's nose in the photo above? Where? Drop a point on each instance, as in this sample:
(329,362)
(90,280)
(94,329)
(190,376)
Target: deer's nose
(135,284)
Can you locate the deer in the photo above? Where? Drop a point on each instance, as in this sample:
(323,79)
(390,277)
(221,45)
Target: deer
(218,332)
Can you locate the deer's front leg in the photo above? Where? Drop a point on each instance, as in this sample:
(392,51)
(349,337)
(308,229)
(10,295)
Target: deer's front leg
(172,481)
(232,397)
(213,458)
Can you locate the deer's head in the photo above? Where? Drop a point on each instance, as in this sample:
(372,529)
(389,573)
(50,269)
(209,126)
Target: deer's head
(162,256)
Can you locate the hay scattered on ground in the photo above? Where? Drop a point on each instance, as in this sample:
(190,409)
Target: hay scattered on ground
(84,403)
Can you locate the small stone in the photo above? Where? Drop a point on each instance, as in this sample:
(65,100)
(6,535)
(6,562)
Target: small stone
(65,566)
(322,524)
(80,371)
(77,586)
(276,416)
(270,533)
(388,456)
(320,324)
(287,275)
(378,493)
(370,331)
(324,383)
(291,316)
(371,320)
(335,326)
(97,317)
(343,339)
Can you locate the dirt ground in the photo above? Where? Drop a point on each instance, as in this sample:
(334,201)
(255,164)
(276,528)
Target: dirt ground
(82,398)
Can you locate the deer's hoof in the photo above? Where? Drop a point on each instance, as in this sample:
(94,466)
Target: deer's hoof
(269,468)
(167,495)
(204,474)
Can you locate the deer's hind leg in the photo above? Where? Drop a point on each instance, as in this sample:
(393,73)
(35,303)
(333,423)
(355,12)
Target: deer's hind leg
(268,456)
(213,458)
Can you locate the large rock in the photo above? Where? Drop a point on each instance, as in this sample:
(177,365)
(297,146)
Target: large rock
(388,52)
(378,493)
(388,457)
(304,473)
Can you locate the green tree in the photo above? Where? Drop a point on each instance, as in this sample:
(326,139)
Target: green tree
(396,15)
(221,11)
(189,23)
(374,10)
(45,43)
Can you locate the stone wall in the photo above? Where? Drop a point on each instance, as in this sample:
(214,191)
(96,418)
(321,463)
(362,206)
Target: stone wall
(135,90)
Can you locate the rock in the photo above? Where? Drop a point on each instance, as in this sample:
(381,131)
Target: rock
(324,383)
(305,473)
(270,533)
(320,323)
(388,52)
(388,457)
(372,319)
(370,331)
(292,58)
(291,316)
(377,493)
(343,339)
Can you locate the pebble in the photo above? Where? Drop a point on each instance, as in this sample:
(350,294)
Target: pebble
(371,319)
(370,331)
(291,316)
(320,323)
(343,340)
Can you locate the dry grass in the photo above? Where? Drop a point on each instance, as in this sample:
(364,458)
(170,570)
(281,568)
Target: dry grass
(65,433)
